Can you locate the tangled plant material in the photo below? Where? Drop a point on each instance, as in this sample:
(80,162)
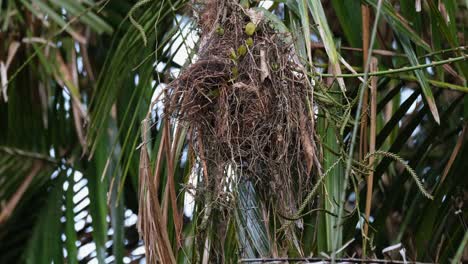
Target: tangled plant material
(247,106)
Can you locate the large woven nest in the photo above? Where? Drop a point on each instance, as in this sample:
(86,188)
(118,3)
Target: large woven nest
(247,105)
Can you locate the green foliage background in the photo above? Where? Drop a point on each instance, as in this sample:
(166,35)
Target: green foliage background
(79,77)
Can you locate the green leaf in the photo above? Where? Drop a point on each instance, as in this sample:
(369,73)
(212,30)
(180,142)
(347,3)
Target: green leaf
(98,199)
(304,15)
(250,228)
(347,13)
(421,77)
(71,238)
(399,24)
(45,245)
(54,16)
(316,9)
(84,14)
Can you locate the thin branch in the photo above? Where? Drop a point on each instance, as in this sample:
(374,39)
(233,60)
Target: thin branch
(363,146)
(455,152)
(308,198)
(374,52)
(392,71)
(413,174)
(390,53)
(439,84)
(26,154)
(355,129)
(363,136)
(10,206)
(373,125)
(461,48)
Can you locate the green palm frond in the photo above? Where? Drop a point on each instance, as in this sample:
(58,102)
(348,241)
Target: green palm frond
(93,169)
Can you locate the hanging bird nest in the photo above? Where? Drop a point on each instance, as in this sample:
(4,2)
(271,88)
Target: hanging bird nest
(247,105)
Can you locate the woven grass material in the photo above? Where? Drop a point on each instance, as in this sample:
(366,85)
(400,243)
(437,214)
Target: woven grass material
(246,105)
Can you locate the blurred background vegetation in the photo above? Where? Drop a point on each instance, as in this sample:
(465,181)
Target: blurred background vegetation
(79,77)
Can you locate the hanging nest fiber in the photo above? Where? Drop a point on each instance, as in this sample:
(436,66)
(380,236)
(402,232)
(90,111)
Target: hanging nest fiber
(247,105)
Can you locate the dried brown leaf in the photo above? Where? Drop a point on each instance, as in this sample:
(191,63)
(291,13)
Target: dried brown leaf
(8,209)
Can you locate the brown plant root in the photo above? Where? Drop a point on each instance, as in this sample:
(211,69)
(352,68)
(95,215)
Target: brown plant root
(245,104)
